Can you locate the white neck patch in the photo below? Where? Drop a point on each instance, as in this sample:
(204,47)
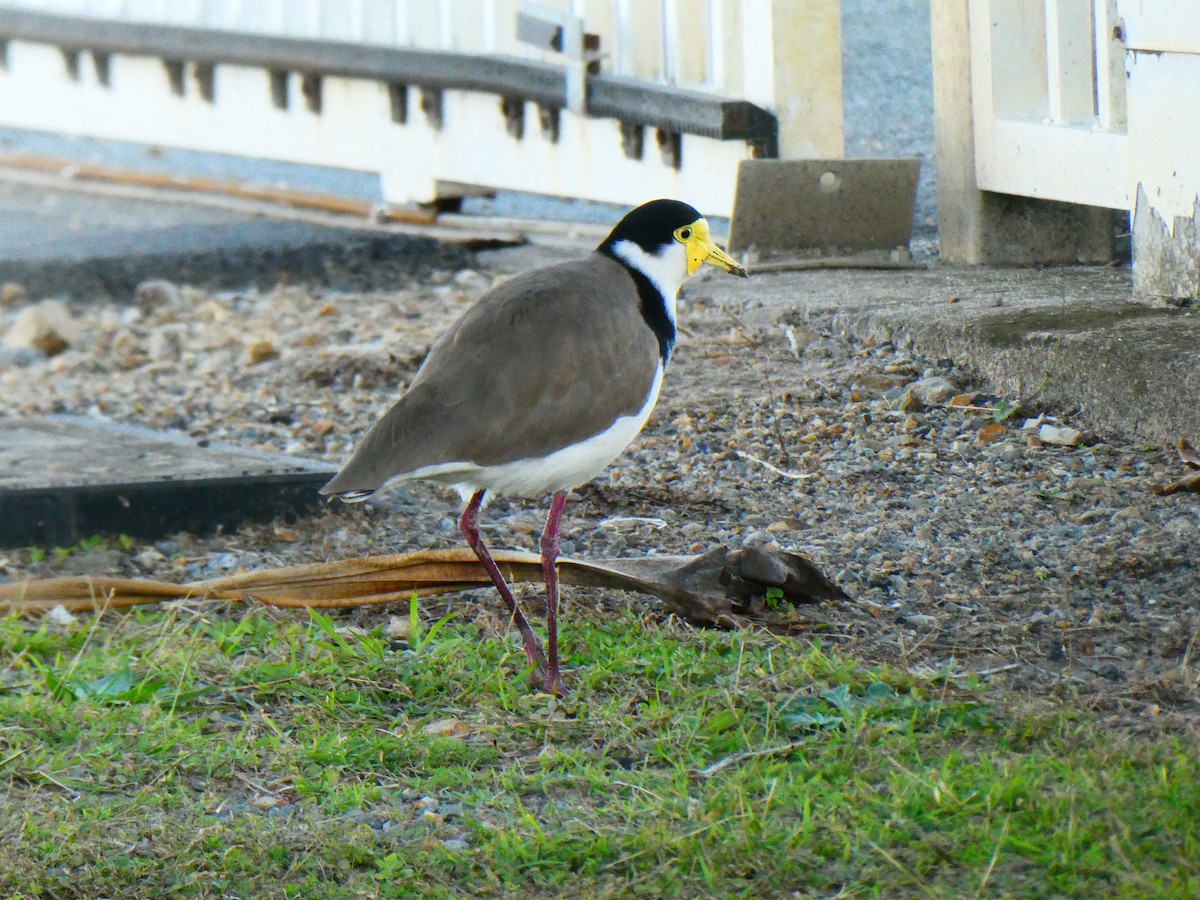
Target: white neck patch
(666,270)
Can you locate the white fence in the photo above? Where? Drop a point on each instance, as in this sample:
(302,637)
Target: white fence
(1048,82)
(611,100)
(1087,102)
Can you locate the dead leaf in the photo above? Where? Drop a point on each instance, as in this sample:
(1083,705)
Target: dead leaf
(991,433)
(1188,453)
(1190,484)
(723,587)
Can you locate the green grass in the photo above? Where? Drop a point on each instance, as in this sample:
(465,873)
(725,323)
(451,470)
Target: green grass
(201,752)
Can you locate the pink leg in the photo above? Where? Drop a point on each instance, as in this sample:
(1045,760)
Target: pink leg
(553,684)
(468,524)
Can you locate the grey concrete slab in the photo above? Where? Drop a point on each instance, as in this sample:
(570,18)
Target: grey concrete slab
(1073,332)
(64,478)
(62,242)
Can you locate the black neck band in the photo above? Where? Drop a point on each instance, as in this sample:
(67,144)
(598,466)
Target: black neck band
(654,311)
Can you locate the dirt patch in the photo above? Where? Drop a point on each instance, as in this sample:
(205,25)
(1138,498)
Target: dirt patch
(973,547)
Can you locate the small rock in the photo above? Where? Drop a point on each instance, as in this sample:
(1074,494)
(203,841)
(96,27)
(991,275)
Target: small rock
(128,350)
(1128,514)
(20,357)
(900,367)
(214,310)
(156,294)
(398,627)
(12,292)
(920,620)
(760,539)
(446,728)
(875,381)
(456,845)
(59,617)
(47,327)
(933,391)
(89,562)
(260,352)
(1061,437)
(911,403)
(149,558)
(223,562)
(470,278)
(166,344)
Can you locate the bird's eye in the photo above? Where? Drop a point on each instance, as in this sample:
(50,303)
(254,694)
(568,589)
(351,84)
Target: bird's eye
(685,233)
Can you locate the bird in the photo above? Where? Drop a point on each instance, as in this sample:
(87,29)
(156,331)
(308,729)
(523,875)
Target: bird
(539,386)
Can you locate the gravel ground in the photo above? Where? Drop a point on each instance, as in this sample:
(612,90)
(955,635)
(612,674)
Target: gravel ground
(970,546)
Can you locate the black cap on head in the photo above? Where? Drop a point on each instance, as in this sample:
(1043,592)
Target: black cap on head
(651,225)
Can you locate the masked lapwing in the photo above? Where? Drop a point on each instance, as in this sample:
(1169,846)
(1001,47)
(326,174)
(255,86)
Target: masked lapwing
(540,385)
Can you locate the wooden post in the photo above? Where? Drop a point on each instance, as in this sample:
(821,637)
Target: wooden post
(1163,43)
(977,227)
(792,56)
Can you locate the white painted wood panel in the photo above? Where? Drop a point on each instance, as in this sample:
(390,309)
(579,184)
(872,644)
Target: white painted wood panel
(1048,96)
(1171,26)
(783,55)
(1055,162)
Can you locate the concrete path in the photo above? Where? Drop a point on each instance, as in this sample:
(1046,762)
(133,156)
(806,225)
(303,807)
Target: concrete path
(1072,335)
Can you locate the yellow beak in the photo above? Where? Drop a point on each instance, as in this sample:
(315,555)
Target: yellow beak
(701,249)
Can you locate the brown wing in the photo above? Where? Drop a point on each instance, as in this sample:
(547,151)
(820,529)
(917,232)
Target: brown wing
(548,359)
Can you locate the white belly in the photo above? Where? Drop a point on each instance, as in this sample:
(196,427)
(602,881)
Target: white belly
(558,471)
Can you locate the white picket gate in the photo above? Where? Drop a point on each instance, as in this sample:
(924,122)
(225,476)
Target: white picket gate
(1048,82)
(1088,102)
(613,100)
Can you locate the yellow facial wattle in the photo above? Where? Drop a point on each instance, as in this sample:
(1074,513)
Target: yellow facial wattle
(697,239)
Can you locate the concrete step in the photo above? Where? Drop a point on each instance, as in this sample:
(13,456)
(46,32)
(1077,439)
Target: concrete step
(65,478)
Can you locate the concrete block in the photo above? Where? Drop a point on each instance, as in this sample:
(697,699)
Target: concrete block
(815,206)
